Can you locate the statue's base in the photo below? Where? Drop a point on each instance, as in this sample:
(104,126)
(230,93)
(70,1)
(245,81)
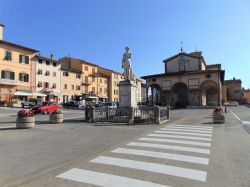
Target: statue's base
(127,94)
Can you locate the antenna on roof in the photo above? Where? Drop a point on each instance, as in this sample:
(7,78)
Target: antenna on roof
(181,47)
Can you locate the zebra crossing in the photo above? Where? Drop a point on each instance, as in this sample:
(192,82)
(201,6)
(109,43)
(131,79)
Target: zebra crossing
(176,151)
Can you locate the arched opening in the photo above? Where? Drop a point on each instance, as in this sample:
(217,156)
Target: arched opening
(210,93)
(155,94)
(180,95)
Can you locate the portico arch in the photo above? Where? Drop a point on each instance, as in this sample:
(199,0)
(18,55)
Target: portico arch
(154,98)
(209,93)
(180,95)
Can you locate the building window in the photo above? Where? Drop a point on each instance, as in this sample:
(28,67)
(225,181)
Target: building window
(23,77)
(86,68)
(78,87)
(46,85)
(93,70)
(93,89)
(40,61)
(54,85)
(65,86)
(23,59)
(54,64)
(208,75)
(86,89)
(105,81)
(8,55)
(93,79)
(65,74)
(78,76)
(153,80)
(40,72)
(7,75)
(86,79)
(54,74)
(39,84)
(100,80)
(47,73)
(114,92)
(72,87)
(47,62)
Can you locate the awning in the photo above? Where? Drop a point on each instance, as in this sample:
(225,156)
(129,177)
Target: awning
(92,97)
(19,93)
(38,94)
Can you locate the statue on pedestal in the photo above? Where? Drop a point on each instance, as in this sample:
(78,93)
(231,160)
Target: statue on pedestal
(126,65)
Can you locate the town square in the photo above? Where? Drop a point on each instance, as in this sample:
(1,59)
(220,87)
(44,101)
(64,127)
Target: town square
(124,93)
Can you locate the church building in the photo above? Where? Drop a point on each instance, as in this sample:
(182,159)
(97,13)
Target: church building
(187,81)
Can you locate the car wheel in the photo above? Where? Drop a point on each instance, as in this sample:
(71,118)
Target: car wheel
(22,105)
(45,112)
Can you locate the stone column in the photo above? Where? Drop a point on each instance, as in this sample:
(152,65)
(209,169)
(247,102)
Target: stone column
(157,117)
(146,95)
(131,116)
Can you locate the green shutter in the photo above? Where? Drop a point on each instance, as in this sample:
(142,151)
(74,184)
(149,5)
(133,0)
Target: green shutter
(20,59)
(12,75)
(27,78)
(3,74)
(26,60)
(20,77)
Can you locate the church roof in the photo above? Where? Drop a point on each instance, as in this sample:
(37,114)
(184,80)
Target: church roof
(197,54)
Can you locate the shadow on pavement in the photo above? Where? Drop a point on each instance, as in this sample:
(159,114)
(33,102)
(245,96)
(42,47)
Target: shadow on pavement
(8,128)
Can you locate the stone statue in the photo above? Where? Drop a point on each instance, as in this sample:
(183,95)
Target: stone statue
(126,65)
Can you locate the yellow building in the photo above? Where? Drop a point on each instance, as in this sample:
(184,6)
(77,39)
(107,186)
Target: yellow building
(17,69)
(246,96)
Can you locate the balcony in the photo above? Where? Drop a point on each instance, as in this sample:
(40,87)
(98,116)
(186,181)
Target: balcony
(9,82)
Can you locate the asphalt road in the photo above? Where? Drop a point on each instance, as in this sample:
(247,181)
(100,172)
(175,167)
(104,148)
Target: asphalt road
(188,151)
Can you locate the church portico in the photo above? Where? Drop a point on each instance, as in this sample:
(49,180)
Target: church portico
(186,82)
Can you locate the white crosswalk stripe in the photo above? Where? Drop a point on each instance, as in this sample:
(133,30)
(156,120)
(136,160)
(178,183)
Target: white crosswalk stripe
(194,126)
(170,147)
(152,167)
(190,128)
(181,137)
(187,130)
(102,179)
(189,144)
(184,133)
(175,141)
(170,156)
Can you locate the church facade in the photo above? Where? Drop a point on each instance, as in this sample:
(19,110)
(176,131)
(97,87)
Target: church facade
(187,81)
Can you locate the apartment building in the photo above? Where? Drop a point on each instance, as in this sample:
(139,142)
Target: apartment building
(17,81)
(48,78)
(234,89)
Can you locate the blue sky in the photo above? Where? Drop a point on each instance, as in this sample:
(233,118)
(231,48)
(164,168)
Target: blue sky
(98,31)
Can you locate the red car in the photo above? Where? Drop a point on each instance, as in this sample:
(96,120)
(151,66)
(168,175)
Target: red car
(45,108)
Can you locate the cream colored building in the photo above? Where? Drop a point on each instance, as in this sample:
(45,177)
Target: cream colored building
(17,81)
(48,78)
(187,81)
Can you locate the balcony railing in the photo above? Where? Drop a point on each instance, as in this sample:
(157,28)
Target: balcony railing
(9,82)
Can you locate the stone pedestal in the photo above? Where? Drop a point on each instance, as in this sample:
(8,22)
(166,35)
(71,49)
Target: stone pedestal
(127,94)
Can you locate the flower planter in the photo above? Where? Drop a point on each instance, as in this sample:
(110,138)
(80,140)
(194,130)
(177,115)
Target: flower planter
(56,118)
(218,118)
(25,122)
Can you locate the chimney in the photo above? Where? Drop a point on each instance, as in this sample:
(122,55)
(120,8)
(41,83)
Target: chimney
(234,78)
(51,56)
(1,31)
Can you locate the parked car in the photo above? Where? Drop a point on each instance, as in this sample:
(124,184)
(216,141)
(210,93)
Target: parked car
(233,103)
(45,108)
(30,103)
(70,104)
(108,105)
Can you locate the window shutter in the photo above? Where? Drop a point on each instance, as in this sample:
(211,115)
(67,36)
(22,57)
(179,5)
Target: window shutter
(26,60)
(20,59)
(27,78)
(3,74)
(12,75)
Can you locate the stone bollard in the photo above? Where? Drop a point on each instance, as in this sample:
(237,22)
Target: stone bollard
(157,116)
(225,109)
(168,112)
(131,116)
(87,115)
